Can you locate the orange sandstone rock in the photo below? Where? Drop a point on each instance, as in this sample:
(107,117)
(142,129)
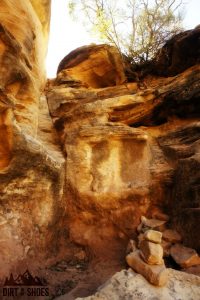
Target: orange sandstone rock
(184,256)
(95,66)
(155,274)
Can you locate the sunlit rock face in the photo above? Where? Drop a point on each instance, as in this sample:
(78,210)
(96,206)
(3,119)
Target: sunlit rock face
(111,168)
(31,164)
(129,150)
(86,165)
(94,65)
(22,60)
(43,11)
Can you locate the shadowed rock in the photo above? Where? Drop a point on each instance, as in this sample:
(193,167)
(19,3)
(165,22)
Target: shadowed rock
(179,53)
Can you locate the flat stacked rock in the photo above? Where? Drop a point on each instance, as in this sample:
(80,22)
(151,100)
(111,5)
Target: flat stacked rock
(156,241)
(147,224)
(153,236)
(151,252)
(148,259)
(155,274)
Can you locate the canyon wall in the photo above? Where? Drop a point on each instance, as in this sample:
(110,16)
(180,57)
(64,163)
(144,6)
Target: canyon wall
(132,148)
(31,163)
(81,162)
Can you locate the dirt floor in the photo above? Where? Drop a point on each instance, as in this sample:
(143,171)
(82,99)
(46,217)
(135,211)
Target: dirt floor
(69,280)
(74,271)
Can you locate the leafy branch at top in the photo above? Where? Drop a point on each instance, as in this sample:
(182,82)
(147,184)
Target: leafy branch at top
(138,28)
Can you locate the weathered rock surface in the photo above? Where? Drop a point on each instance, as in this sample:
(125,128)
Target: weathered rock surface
(43,10)
(184,256)
(31,163)
(128,285)
(23,48)
(126,149)
(84,167)
(182,150)
(93,66)
(193,270)
(179,53)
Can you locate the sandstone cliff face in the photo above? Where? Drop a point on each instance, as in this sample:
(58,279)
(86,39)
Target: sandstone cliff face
(30,169)
(22,60)
(81,163)
(130,150)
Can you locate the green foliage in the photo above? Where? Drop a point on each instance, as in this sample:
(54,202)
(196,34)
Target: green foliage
(138,28)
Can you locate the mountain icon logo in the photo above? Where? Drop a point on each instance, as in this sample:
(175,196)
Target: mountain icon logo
(26,279)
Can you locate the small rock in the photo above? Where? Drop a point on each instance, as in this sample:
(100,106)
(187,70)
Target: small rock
(153,236)
(172,236)
(151,253)
(157,274)
(166,248)
(131,246)
(183,256)
(195,270)
(153,223)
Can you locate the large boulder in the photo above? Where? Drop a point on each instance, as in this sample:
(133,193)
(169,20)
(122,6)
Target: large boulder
(130,285)
(94,66)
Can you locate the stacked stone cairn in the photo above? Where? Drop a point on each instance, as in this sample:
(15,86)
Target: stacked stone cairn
(154,242)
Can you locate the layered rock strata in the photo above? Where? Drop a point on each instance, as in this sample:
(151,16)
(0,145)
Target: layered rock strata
(31,163)
(129,150)
(85,165)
